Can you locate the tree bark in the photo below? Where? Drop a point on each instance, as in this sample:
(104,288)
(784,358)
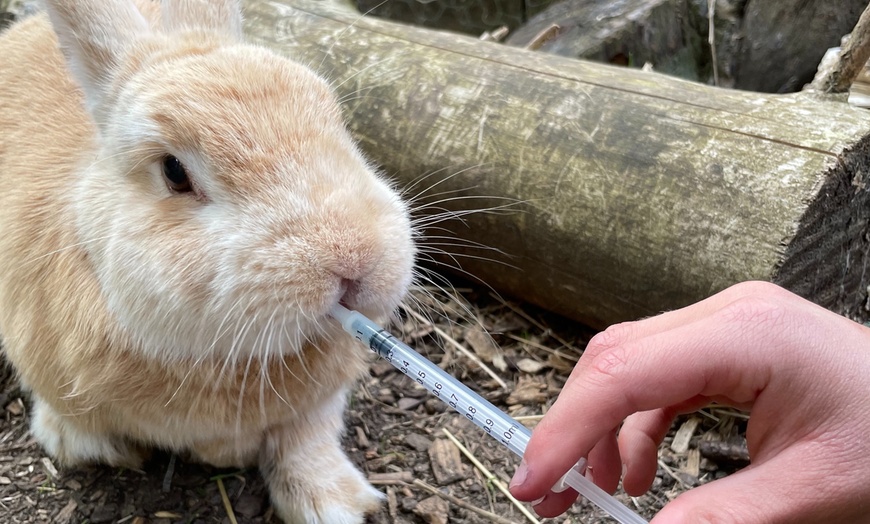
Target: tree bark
(640,192)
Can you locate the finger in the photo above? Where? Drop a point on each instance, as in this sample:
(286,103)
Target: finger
(639,441)
(604,458)
(604,466)
(704,308)
(636,330)
(722,357)
(790,488)
(554,504)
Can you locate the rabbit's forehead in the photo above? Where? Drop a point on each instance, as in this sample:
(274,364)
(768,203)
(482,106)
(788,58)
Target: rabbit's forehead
(246,116)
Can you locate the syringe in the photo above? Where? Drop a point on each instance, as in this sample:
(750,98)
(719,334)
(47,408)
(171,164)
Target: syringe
(498,424)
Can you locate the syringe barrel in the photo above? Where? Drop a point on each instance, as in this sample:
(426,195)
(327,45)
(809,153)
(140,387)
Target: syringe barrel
(457,395)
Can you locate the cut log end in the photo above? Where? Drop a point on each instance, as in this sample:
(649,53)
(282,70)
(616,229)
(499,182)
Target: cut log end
(827,260)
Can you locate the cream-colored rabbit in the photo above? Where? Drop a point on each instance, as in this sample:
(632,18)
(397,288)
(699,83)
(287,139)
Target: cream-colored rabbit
(179,210)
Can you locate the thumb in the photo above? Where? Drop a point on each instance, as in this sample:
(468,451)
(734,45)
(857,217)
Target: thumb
(789,488)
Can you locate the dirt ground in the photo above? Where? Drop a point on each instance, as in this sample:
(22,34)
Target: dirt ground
(395,433)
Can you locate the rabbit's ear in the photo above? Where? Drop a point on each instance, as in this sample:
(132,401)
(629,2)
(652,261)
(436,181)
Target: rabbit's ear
(224,16)
(95,36)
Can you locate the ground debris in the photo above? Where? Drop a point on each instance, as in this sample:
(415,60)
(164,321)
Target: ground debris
(433,510)
(732,451)
(446,462)
(529,390)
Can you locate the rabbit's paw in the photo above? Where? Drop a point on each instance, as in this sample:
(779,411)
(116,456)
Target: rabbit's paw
(319,485)
(63,438)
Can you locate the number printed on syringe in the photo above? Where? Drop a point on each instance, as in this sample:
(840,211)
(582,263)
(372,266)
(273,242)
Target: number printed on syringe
(443,386)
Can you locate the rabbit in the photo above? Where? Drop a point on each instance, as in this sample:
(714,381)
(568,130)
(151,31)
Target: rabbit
(180,210)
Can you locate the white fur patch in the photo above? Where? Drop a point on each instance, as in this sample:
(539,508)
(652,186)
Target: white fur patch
(62,439)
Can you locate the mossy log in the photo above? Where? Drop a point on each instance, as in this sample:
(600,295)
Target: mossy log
(642,192)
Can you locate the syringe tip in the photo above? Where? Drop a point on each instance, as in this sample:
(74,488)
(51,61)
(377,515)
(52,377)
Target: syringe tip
(340,313)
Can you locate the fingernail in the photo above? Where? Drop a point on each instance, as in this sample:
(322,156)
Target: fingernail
(624,469)
(520,475)
(538,501)
(589,474)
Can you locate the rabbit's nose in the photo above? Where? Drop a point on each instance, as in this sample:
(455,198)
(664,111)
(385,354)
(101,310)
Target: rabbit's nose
(351,266)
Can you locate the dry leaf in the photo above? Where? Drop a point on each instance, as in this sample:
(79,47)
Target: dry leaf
(530,366)
(481,343)
(529,390)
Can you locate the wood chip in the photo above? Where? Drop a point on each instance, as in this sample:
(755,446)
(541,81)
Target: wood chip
(684,435)
(16,407)
(49,468)
(392,504)
(445,461)
(167,515)
(66,514)
(361,439)
(417,441)
(693,463)
(409,404)
(433,510)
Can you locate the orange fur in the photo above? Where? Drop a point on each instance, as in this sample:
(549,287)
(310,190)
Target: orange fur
(194,322)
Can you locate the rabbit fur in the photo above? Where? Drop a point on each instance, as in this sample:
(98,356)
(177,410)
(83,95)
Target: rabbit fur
(142,315)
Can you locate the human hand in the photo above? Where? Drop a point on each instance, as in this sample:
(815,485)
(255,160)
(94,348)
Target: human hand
(802,371)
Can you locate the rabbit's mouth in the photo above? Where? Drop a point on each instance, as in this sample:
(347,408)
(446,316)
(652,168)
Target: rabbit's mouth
(348,293)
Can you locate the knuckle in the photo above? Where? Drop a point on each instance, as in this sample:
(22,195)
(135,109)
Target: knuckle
(611,363)
(754,311)
(608,339)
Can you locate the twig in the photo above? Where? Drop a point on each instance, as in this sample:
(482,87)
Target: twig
(554,352)
(535,323)
(544,36)
(462,349)
(730,413)
(496,35)
(490,477)
(853,57)
(461,503)
(227,506)
(673,475)
(390,478)
(167,478)
(711,39)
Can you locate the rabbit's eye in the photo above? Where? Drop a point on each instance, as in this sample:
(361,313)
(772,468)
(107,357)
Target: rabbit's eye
(175,175)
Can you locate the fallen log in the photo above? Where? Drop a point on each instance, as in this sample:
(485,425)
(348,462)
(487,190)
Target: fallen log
(642,192)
